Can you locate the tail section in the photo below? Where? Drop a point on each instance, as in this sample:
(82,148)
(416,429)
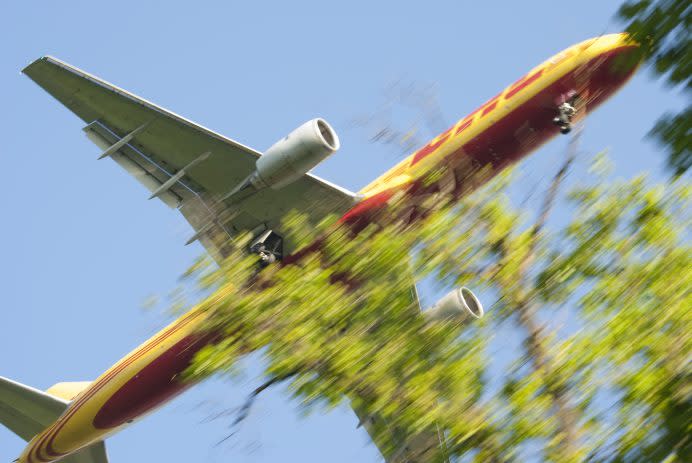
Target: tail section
(27,411)
(95,453)
(68,391)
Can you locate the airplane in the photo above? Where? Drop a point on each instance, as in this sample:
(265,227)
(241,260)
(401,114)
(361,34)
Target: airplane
(223,189)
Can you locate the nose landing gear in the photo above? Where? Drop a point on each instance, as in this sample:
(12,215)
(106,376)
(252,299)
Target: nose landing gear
(566,112)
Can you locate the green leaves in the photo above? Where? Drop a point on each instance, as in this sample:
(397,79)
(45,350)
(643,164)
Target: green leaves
(599,310)
(675,132)
(662,27)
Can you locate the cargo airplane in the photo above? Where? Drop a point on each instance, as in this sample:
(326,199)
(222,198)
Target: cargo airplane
(223,188)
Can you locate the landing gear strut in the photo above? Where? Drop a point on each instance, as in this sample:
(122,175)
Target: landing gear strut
(269,247)
(566,112)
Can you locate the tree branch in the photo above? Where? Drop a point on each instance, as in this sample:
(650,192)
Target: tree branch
(244,410)
(536,342)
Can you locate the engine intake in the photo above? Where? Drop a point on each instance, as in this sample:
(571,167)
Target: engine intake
(459,305)
(295,155)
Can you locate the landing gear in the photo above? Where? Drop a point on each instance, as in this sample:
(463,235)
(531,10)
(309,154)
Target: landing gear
(269,247)
(566,112)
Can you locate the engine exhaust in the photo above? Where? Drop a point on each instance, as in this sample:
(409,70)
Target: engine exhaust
(460,305)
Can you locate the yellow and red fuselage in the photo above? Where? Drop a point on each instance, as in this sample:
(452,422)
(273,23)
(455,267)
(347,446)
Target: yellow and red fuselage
(498,133)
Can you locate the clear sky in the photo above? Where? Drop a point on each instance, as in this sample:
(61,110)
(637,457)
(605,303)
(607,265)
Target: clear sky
(80,246)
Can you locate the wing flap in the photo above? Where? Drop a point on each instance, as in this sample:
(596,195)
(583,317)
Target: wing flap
(135,163)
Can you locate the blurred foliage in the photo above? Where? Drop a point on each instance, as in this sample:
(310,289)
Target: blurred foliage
(600,308)
(662,27)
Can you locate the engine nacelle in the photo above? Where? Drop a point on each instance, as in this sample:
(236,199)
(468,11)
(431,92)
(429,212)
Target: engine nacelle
(459,305)
(293,156)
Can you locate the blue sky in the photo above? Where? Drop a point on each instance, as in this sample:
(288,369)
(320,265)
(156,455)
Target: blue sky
(81,246)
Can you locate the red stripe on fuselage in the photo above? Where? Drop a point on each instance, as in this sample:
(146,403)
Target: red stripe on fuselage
(155,383)
(523,83)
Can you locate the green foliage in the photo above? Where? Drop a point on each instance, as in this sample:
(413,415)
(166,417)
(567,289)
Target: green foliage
(662,27)
(613,384)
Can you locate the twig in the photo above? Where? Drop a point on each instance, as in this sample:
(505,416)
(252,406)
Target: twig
(244,410)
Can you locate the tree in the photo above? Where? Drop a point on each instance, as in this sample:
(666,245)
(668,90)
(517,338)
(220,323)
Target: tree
(612,384)
(662,27)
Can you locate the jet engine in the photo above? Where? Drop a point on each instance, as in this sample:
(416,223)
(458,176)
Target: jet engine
(458,305)
(293,156)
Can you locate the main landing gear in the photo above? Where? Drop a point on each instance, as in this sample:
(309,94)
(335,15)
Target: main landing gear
(566,111)
(269,247)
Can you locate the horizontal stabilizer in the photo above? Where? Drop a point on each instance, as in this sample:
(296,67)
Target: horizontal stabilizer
(27,411)
(95,453)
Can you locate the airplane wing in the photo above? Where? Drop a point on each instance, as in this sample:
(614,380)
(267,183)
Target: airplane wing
(426,446)
(182,163)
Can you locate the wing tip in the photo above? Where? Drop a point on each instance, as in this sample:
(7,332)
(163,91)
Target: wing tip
(27,70)
(33,66)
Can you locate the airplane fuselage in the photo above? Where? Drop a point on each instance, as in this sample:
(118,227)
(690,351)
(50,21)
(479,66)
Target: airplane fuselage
(497,134)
